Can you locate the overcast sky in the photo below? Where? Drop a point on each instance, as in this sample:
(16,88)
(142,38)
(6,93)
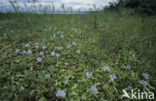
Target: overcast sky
(74,4)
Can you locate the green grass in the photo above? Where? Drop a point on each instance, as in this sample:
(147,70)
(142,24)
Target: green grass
(112,43)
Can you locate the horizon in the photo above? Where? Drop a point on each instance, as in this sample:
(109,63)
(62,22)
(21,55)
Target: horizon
(55,6)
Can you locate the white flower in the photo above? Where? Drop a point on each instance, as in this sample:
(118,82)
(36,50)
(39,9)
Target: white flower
(129,67)
(21,89)
(60,93)
(5,34)
(106,68)
(66,81)
(74,43)
(68,46)
(54,35)
(47,76)
(52,53)
(62,36)
(88,74)
(78,51)
(66,64)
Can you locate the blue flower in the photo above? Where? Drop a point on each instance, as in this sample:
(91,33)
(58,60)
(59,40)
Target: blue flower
(27,45)
(66,81)
(24,51)
(39,59)
(17,50)
(133,55)
(143,82)
(44,47)
(68,46)
(41,53)
(47,76)
(78,51)
(94,89)
(52,53)
(74,43)
(129,87)
(129,67)
(88,74)
(60,48)
(112,76)
(60,93)
(62,36)
(146,75)
(57,55)
(29,51)
(106,68)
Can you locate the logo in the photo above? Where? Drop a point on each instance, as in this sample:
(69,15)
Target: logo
(137,95)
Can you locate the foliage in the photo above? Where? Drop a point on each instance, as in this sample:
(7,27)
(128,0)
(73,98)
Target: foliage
(120,41)
(140,6)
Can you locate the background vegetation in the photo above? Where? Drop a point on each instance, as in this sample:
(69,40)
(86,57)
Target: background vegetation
(121,40)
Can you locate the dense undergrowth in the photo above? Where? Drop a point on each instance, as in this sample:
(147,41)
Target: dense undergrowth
(42,54)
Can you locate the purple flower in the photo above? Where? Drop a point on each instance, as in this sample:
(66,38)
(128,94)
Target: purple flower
(106,68)
(44,47)
(78,51)
(39,59)
(57,55)
(62,36)
(60,93)
(29,51)
(41,53)
(68,46)
(27,45)
(60,48)
(129,67)
(146,75)
(24,51)
(112,76)
(129,87)
(66,81)
(47,76)
(94,89)
(143,82)
(88,74)
(17,50)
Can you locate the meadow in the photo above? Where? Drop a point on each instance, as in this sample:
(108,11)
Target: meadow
(76,57)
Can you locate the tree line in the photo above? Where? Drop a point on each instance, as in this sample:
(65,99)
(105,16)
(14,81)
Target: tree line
(140,6)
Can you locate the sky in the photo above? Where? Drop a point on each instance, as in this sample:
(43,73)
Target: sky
(82,5)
